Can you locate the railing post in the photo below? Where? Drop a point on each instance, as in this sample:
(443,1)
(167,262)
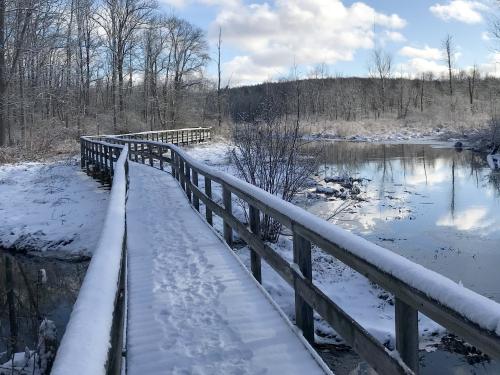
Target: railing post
(181,172)
(255,261)
(196,200)
(160,155)
(303,312)
(228,231)
(111,166)
(208,193)
(105,156)
(173,164)
(82,153)
(188,180)
(407,334)
(150,151)
(136,156)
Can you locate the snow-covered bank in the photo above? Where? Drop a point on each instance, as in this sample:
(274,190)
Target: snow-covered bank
(475,133)
(368,304)
(50,209)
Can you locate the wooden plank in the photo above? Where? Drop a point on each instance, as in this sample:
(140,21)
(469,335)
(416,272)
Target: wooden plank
(303,312)
(255,261)
(407,334)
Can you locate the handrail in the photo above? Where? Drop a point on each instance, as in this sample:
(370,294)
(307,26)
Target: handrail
(92,342)
(460,310)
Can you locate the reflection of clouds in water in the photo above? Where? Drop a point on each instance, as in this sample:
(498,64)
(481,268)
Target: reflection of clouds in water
(438,173)
(471,218)
(369,220)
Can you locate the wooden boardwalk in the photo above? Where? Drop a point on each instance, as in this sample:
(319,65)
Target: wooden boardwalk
(192,306)
(194,309)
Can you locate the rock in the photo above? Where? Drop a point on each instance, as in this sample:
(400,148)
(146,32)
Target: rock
(325,190)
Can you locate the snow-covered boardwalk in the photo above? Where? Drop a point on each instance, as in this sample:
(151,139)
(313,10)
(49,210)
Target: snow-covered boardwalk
(192,306)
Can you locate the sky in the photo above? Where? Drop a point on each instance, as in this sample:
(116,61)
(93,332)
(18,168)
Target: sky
(273,39)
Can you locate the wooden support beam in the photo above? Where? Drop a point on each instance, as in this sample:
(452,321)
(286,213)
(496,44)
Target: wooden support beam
(407,334)
(228,206)
(303,312)
(208,193)
(196,200)
(255,261)
(187,171)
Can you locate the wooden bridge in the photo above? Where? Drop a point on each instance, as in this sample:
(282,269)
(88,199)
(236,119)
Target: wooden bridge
(161,271)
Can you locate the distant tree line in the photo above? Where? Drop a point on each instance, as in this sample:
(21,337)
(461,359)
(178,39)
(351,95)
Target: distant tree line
(72,67)
(376,97)
(78,66)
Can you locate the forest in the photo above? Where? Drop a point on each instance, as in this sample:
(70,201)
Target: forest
(73,67)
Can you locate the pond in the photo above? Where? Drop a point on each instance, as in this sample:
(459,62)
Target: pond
(431,203)
(435,205)
(33,288)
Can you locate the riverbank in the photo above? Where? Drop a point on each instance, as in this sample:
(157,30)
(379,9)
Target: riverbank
(50,209)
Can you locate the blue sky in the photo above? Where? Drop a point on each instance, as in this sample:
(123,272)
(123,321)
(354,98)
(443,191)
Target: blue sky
(262,40)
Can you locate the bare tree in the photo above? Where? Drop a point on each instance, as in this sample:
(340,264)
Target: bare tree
(449,54)
(219,103)
(380,67)
(471,81)
(120,20)
(189,54)
(270,153)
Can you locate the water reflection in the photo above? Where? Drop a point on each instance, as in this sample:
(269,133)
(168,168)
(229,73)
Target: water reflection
(27,295)
(435,205)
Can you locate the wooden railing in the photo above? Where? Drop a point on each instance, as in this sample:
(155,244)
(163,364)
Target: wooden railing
(103,154)
(93,340)
(414,287)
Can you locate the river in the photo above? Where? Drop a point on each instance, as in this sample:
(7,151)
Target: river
(431,203)
(40,288)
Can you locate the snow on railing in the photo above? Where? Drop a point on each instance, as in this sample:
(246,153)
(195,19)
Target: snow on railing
(92,341)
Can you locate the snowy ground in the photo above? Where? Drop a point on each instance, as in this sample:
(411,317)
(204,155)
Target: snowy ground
(51,209)
(368,304)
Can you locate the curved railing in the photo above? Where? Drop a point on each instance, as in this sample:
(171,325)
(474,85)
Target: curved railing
(92,342)
(416,289)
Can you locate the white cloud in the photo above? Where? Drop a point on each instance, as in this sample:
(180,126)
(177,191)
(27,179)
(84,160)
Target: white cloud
(393,36)
(423,53)
(485,36)
(472,218)
(492,66)
(174,3)
(466,11)
(272,36)
(243,69)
